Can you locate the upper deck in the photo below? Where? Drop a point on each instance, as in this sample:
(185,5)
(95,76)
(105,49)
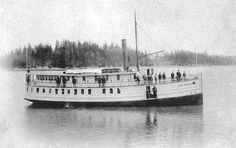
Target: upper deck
(81,78)
(87,79)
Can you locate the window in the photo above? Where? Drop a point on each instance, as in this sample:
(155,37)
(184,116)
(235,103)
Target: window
(107,77)
(82,91)
(27,89)
(50,90)
(104,91)
(96,78)
(37,90)
(62,91)
(31,89)
(43,90)
(68,91)
(111,91)
(84,78)
(89,91)
(75,91)
(118,90)
(118,77)
(56,91)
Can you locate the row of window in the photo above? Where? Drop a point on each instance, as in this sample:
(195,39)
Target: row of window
(51,78)
(68,91)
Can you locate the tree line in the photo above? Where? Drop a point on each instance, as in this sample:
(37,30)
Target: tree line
(67,54)
(181,57)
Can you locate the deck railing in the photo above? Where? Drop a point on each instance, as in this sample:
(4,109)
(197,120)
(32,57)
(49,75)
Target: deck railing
(39,83)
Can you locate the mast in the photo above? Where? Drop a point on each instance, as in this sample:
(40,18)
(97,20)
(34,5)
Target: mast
(136,40)
(27,60)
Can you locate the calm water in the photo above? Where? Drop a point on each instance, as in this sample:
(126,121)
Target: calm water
(210,125)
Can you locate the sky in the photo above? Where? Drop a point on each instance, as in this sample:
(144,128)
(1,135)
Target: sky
(194,25)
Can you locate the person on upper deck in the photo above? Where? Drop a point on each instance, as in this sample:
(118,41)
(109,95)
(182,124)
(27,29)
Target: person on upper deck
(74,81)
(184,74)
(103,81)
(99,81)
(164,76)
(144,78)
(178,75)
(172,76)
(155,77)
(64,80)
(150,77)
(58,81)
(138,79)
(159,77)
(28,80)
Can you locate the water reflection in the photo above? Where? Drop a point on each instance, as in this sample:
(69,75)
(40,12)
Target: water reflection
(117,126)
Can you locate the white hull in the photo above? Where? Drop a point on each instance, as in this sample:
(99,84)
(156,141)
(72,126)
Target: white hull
(127,94)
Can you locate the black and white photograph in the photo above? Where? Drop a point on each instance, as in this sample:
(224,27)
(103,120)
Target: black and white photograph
(118,74)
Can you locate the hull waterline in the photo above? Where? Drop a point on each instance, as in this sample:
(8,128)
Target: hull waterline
(196,99)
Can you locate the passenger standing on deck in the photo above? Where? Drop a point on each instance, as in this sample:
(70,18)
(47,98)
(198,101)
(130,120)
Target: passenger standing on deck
(64,80)
(154,90)
(74,81)
(178,75)
(155,77)
(103,81)
(138,79)
(172,76)
(144,78)
(184,74)
(58,81)
(164,76)
(159,77)
(151,78)
(28,80)
(99,81)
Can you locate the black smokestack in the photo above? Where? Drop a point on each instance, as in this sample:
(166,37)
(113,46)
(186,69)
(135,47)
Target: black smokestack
(124,50)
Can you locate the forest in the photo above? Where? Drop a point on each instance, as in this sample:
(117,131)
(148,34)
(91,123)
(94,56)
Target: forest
(68,54)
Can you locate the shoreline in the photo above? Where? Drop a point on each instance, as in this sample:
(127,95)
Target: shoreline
(63,69)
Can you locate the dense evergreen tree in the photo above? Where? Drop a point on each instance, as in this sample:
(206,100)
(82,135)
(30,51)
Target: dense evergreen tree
(77,54)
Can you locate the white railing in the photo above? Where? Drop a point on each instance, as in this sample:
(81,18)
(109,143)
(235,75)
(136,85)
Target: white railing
(39,83)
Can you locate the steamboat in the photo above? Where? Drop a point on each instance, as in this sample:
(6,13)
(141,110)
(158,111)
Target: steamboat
(112,87)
